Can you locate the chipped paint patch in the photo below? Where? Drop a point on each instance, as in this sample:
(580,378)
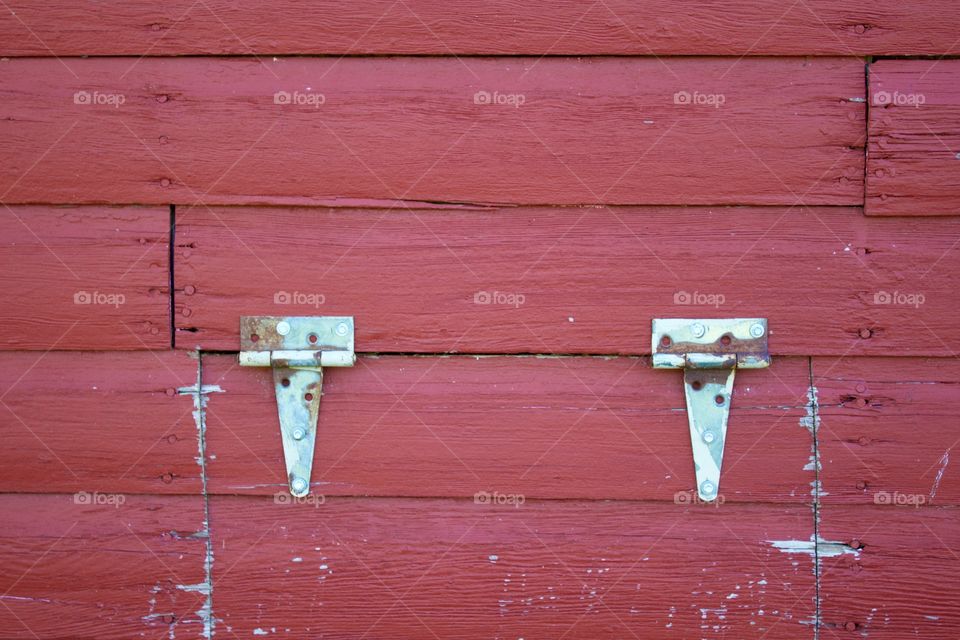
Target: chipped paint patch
(814,547)
(199,392)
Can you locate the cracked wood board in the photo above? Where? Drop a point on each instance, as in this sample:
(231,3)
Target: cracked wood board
(888,429)
(901,583)
(397,567)
(84,277)
(415,130)
(117,566)
(562,280)
(108,422)
(444,27)
(594,428)
(913,156)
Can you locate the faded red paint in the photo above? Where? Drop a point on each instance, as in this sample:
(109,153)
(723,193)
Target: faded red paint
(543,491)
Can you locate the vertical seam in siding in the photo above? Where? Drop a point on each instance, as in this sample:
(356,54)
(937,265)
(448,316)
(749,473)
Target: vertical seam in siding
(814,410)
(866,133)
(172,236)
(199,393)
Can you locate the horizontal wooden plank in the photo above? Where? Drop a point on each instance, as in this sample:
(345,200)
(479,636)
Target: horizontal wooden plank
(539,280)
(124,567)
(901,583)
(914,140)
(84,277)
(400,130)
(659,27)
(397,568)
(107,422)
(466,427)
(887,428)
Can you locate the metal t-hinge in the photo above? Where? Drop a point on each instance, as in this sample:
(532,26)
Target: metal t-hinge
(709,352)
(297,349)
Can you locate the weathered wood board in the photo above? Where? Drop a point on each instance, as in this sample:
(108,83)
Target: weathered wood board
(75,422)
(541,280)
(84,277)
(901,583)
(380,568)
(110,566)
(913,157)
(513,130)
(465,427)
(445,27)
(887,429)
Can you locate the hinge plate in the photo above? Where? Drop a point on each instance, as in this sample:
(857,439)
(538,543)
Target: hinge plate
(709,351)
(710,344)
(297,348)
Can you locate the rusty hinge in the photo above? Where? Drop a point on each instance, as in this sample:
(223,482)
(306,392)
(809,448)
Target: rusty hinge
(297,348)
(709,351)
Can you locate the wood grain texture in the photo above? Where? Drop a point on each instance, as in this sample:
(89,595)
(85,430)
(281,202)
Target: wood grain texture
(901,584)
(128,569)
(84,277)
(887,430)
(914,140)
(539,280)
(417,568)
(98,422)
(593,428)
(502,26)
(401,130)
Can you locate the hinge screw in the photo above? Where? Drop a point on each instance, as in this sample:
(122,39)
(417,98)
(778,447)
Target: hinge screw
(698,330)
(707,488)
(756,330)
(342,329)
(709,437)
(283,327)
(298,434)
(299,485)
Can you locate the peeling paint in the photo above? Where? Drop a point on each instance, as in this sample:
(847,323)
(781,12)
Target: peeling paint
(815,546)
(200,391)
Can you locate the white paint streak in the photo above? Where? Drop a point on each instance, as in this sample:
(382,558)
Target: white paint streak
(200,392)
(944,461)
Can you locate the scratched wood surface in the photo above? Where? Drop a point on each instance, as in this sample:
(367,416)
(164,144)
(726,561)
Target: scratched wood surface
(914,141)
(98,422)
(454,569)
(887,430)
(900,582)
(595,428)
(539,280)
(84,277)
(427,129)
(438,27)
(100,566)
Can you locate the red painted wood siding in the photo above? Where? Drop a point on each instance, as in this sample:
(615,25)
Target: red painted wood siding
(446,27)
(504,195)
(914,148)
(391,131)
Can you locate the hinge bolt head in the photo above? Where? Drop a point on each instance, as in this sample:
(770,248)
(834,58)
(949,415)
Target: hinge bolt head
(698,330)
(283,327)
(756,330)
(299,485)
(709,437)
(342,329)
(298,434)
(707,488)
